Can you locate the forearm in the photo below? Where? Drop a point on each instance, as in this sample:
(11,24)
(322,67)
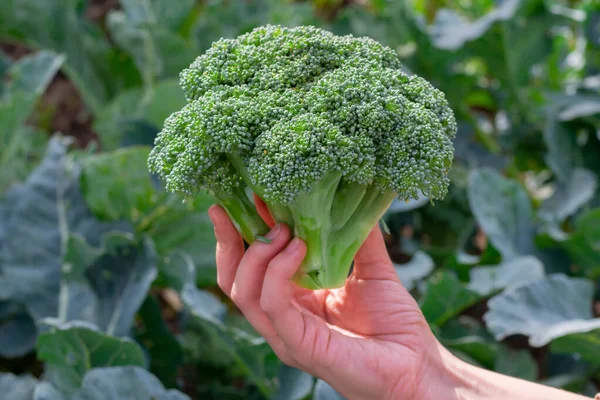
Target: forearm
(462,381)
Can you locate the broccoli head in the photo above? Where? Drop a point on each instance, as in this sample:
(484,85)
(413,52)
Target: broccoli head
(328,130)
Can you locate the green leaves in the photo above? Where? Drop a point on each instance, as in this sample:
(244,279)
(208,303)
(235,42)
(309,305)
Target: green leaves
(100,267)
(17,387)
(323,391)
(147,31)
(584,243)
(118,186)
(293,384)
(91,62)
(17,330)
(233,338)
(445,298)
(166,355)
(21,85)
(419,266)
(485,280)
(45,212)
(135,116)
(114,190)
(451,32)
(570,195)
(503,211)
(543,310)
(114,383)
(517,363)
(584,344)
(70,350)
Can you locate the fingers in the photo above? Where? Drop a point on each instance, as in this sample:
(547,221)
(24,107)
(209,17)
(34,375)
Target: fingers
(263,211)
(248,283)
(230,248)
(372,261)
(249,278)
(276,298)
(305,336)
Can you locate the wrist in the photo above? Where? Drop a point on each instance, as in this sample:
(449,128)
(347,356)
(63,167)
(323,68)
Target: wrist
(448,377)
(452,378)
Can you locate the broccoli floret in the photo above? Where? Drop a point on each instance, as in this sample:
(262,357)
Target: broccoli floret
(328,130)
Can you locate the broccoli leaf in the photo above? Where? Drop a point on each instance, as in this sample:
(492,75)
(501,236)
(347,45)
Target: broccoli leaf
(543,310)
(71,349)
(20,87)
(17,387)
(114,383)
(445,297)
(503,211)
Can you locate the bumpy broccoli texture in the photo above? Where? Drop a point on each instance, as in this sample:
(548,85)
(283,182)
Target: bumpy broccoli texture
(328,130)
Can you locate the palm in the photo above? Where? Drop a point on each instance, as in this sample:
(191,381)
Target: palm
(364,329)
(370,332)
(363,307)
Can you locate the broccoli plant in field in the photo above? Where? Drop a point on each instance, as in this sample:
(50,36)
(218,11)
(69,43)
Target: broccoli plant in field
(327,130)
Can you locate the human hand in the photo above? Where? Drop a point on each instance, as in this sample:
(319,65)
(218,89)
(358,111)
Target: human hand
(368,339)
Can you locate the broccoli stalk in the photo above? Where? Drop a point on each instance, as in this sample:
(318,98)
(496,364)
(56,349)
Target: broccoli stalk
(243,214)
(333,219)
(334,224)
(326,129)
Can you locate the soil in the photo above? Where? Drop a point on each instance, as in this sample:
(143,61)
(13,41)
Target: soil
(98,9)
(61,108)
(69,115)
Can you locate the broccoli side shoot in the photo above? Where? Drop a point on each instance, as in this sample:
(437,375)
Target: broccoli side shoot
(328,130)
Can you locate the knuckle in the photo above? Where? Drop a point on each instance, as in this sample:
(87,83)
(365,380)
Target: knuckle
(236,296)
(272,266)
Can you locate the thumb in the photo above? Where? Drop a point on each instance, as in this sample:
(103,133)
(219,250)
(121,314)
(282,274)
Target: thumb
(372,260)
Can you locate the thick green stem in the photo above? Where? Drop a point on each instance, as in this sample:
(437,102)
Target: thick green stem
(345,242)
(333,219)
(243,214)
(310,220)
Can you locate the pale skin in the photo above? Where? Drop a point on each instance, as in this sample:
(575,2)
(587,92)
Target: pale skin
(368,339)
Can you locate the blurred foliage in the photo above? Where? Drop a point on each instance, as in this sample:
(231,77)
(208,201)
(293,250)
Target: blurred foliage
(92,250)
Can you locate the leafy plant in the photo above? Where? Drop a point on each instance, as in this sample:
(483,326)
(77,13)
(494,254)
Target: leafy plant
(108,284)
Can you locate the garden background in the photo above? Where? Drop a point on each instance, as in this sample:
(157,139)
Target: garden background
(108,284)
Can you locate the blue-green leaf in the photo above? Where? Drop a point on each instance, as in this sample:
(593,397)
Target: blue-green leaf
(133,383)
(15,387)
(503,211)
(45,212)
(487,279)
(71,349)
(234,338)
(451,32)
(571,195)
(17,330)
(294,384)
(323,391)
(543,310)
(26,80)
(419,267)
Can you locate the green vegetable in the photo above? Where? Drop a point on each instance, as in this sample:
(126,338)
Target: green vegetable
(327,130)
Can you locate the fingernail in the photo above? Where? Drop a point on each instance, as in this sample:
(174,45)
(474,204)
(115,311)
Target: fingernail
(274,232)
(293,246)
